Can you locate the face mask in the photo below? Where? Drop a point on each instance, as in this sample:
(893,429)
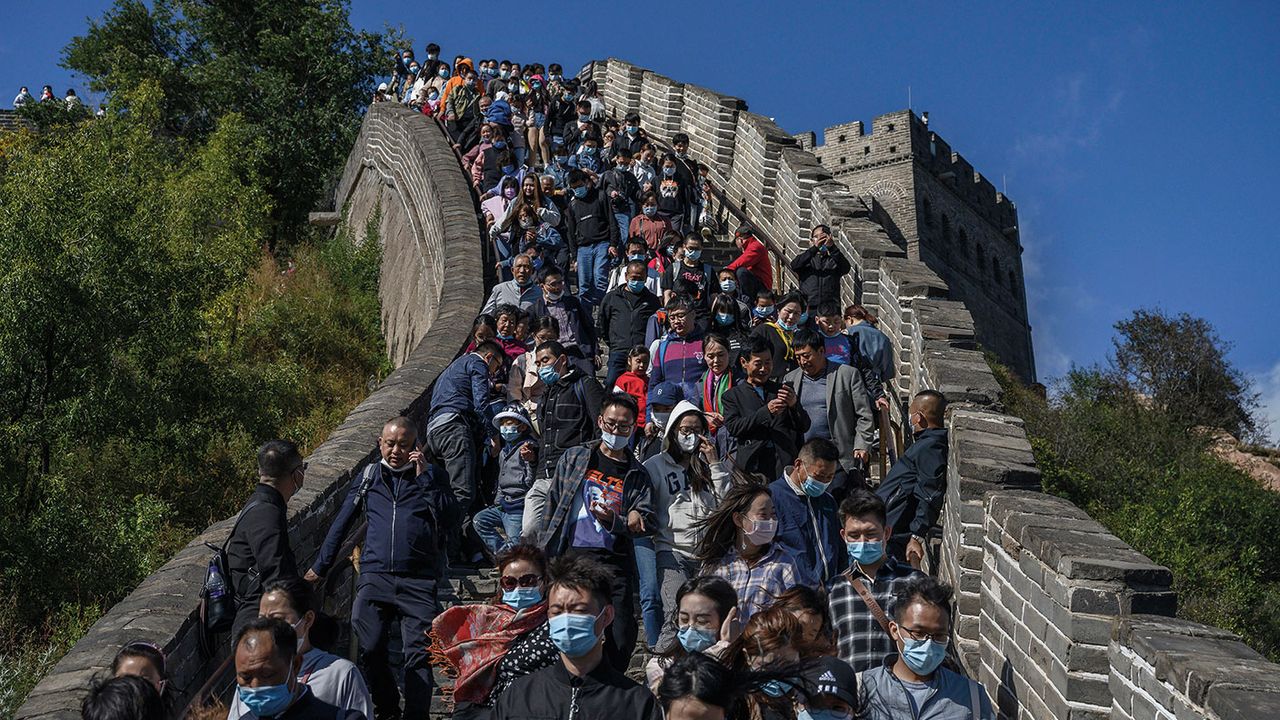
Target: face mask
(922,656)
(635,286)
(553,297)
(414,70)
(266,701)
(650,210)
(822,714)
(693,255)
(548,374)
(776,688)
(695,639)
(865,553)
(804,318)
(522,597)
(588,151)
(668,171)
(688,442)
(634,257)
(724,318)
(632,129)
(510,434)
(762,312)
(762,531)
(661,418)
(511,87)
(580,192)
(813,487)
(557,78)
(432,57)
(562,159)
(528,224)
(573,634)
(509,193)
(505,74)
(787,327)
(444,74)
(400,469)
(536,85)
(614,441)
(728,285)
(500,144)
(568,97)
(537,263)
(584,119)
(433,96)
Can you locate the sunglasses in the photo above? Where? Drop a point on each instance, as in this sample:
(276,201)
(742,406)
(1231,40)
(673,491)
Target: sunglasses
(508,582)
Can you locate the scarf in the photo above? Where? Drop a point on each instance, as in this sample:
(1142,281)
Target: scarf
(467,641)
(713,388)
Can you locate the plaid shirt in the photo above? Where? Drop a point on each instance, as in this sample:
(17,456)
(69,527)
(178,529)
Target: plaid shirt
(757,585)
(860,640)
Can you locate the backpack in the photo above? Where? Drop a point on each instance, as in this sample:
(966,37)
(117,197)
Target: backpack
(218,593)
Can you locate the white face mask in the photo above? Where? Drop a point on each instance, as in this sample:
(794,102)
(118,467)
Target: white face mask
(762,531)
(400,469)
(688,442)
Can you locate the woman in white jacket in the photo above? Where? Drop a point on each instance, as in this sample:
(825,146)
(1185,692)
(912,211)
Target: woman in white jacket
(689,478)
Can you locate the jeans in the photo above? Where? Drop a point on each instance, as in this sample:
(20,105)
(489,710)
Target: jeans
(650,589)
(521,154)
(593,272)
(489,520)
(617,366)
(624,223)
(382,601)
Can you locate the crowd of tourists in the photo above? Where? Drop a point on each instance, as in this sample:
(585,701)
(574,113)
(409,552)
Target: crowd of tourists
(660,458)
(24,97)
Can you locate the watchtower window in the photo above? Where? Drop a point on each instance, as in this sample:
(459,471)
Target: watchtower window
(866,149)
(982,260)
(893,148)
(844,160)
(840,139)
(889,127)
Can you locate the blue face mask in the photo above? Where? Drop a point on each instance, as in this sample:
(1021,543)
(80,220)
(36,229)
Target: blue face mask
(695,639)
(668,171)
(413,70)
(788,328)
(522,597)
(724,318)
(562,159)
(580,192)
(813,487)
(650,210)
(507,170)
(634,257)
(804,318)
(762,312)
(635,286)
(573,634)
(584,118)
(865,553)
(499,144)
(588,151)
(505,74)
(266,701)
(510,434)
(444,74)
(614,441)
(922,656)
(693,255)
(632,129)
(728,285)
(548,374)
(776,688)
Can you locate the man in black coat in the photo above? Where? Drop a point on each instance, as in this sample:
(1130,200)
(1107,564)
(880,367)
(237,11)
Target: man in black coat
(763,415)
(258,551)
(624,315)
(914,489)
(820,268)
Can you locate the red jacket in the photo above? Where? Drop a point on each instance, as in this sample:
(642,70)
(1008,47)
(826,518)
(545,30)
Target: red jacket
(756,260)
(635,386)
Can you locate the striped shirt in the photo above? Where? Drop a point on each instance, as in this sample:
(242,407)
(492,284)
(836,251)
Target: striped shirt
(758,584)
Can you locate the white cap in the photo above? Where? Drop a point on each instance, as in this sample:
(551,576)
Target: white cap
(382,87)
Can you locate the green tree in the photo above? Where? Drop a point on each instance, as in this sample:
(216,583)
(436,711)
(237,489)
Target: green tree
(1181,364)
(296,72)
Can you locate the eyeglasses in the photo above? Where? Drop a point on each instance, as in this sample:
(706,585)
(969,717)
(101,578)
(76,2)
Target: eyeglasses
(510,582)
(614,427)
(942,639)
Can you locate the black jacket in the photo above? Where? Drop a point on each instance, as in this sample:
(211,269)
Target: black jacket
(784,358)
(591,221)
(820,274)
(767,443)
(624,315)
(583,328)
(626,185)
(551,691)
(258,552)
(407,515)
(915,487)
(567,417)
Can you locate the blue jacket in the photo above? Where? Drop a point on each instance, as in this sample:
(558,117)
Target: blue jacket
(809,531)
(408,516)
(876,348)
(464,388)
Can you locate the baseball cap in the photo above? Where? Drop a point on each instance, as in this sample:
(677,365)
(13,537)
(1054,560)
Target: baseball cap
(665,393)
(832,676)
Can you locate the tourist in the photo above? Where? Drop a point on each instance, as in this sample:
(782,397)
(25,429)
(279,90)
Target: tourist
(752,266)
(780,332)
(820,267)
(583,684)
(916,485)
(770,642)
(523,383)
(577,329)
(807,526)
(688,480)
(624,315)
(763,415)
(268,663)
(636,251)
(861,597)
(674,193)
(488,646)
(649,224)
(330,678)
(519,291)
(593,233)
(598,498)
(913,682)
(716,381)
(677,357)
(829,691)
(23,98)
(517,462)
(258,551)
(143,659)
(635,381)
(692,269)
(705,615)
(128,697)
(872,342)
(410,512)
(809,605)
(737,545)
(620,186)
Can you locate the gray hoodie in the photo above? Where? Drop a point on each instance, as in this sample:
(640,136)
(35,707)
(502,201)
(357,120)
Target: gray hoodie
(676,505)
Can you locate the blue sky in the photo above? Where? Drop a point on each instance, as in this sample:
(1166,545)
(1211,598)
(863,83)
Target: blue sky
(1138,140)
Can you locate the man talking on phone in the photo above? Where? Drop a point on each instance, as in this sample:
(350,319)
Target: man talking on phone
(410,509)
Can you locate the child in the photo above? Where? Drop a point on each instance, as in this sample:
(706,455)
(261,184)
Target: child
(517,456)
(635,381)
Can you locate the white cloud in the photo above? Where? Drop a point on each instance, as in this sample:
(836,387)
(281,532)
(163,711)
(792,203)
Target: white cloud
(1267,383)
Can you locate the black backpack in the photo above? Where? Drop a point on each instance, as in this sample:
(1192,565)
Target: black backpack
(218,593)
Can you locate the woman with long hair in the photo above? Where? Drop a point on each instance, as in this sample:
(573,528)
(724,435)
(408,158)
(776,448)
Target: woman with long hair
(706,618)
(688,480)
(737,545)
(770,641)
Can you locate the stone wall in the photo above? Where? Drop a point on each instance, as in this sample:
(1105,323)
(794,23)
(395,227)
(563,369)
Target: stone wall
(1056,616)
(431,281)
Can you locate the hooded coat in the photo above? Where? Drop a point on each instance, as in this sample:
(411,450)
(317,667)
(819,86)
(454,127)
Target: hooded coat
(676,504)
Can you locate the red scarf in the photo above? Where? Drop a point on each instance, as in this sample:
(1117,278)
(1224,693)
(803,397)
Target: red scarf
(467,641)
